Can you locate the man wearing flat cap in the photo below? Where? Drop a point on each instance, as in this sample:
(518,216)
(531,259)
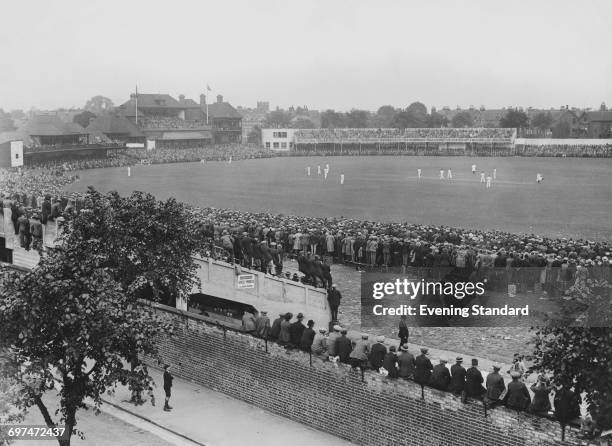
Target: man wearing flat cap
(344,347)
(405,362)
(457,385)
(495,387)
(332,340)
(274,331)
(359,354)
(377,353)
(422,368)
(440,377)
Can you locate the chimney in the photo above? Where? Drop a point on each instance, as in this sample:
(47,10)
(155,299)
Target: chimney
(219,98)
(202,99)
(182,97)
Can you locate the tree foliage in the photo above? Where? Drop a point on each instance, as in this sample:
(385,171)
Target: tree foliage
(462,119)
(542,121)
(146,245)
(69,320)
(278,119)
(579,356)
(6,122)
(83,118)
(99,105)
(514,119)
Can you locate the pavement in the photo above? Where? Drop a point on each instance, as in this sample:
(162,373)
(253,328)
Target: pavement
(206,417)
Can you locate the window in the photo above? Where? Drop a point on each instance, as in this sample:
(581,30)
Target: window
(267,145)
(290,145)
(276,145)
(283,145)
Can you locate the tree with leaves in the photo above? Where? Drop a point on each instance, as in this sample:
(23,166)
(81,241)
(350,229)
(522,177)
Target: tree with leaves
(303,123)
(278,119)
(6,122)
(357,119)
(331,119)
(99,105)
(84,118)
(436,120)
(514,119)
(72,329)
(581,356)
(384,116)
(542,121)
(147,245)
(462,119)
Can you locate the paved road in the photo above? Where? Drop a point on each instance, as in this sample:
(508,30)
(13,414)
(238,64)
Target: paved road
(100,430)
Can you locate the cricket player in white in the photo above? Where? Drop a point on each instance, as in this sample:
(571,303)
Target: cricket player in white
(341,178)
(449,175)
(318,170)
(495,174)
(482,177)
(325,172)
(441,174)
(327,167)
(474,169)
(129,171)
(489,182)
(419,173)
(308,171)
(230,160)
(539,178)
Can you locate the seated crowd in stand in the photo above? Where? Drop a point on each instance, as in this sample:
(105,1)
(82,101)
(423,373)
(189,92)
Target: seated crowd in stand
(331,135)
(169,122)
(559,150)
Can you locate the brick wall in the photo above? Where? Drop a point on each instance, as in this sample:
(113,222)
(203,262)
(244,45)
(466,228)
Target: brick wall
(334,399)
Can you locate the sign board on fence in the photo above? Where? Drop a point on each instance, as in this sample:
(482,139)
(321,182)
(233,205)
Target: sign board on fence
(246,281)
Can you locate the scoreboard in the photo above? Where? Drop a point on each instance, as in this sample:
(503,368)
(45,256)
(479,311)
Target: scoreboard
(11,154)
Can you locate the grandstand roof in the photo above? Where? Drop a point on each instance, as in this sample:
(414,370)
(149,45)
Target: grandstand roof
(202,134)
(223,110)
(51,125)
(113,124)
(145,100)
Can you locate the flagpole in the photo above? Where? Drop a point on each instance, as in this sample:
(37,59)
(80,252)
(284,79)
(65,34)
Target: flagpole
(136,104)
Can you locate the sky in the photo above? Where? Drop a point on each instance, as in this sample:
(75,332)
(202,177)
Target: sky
(324,54)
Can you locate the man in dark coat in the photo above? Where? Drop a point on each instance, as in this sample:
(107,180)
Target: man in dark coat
(473,381)
(46,209)
(307,337)
(405,362)
(566,405)
(377,353)
(517,397)
(440,377)
(390,363)
(403,330)
(167,387)
(333,298)
(297,330)
(422,368)
(344,347)
(457,377)
(276,326)
(262,325)
(495,387)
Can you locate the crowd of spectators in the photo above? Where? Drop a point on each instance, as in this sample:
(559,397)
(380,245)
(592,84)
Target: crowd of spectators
(566,150)
(399,363)
(169,122)
(383,135)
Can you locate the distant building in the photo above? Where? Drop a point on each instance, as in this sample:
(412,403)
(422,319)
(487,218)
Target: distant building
(225,120)
(114,128)
(599,123)
(168,122)
(278,139)
(46,130)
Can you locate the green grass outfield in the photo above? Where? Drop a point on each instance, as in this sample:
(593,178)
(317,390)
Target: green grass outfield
(575,199)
